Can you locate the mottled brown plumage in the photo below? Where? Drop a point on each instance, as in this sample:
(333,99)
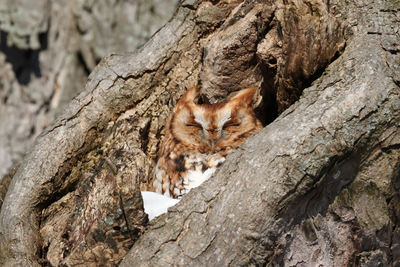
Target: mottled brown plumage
(198,137)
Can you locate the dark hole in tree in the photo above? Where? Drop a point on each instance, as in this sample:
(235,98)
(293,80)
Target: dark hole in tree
(269,109)
(267,112)
(24,62)
(319,72)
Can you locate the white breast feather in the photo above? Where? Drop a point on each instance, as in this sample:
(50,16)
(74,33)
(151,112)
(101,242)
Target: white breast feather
(194,178)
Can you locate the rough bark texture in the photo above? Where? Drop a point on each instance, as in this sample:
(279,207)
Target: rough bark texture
(322,179)
(47,50)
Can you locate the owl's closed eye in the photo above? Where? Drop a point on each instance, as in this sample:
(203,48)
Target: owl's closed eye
(198,137)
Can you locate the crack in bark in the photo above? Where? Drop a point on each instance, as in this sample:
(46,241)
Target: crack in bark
(63,121)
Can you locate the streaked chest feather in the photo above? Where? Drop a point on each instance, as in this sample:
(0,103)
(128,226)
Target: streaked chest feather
(189,170)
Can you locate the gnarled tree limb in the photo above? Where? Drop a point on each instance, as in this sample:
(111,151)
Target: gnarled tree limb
(295,184)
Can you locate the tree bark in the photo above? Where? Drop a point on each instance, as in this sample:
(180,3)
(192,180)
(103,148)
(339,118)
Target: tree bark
(47,50)
(321,180)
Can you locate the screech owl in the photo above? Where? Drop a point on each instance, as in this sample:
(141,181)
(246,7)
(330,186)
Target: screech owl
(198,138)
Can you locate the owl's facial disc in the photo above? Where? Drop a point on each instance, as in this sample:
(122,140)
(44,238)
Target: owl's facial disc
(207,131)
(211,121)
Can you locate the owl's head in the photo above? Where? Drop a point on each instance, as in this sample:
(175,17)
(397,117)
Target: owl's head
(210,128)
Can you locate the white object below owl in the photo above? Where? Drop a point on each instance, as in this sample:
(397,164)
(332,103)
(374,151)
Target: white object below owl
(156,204)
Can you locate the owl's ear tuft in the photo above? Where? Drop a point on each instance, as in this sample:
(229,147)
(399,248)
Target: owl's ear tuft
(244,97)
(191,95)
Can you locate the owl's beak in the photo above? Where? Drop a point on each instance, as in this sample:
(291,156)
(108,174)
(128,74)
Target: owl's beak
(212,143)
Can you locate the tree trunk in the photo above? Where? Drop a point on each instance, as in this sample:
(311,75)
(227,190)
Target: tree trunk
(48,48)
(317,186)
